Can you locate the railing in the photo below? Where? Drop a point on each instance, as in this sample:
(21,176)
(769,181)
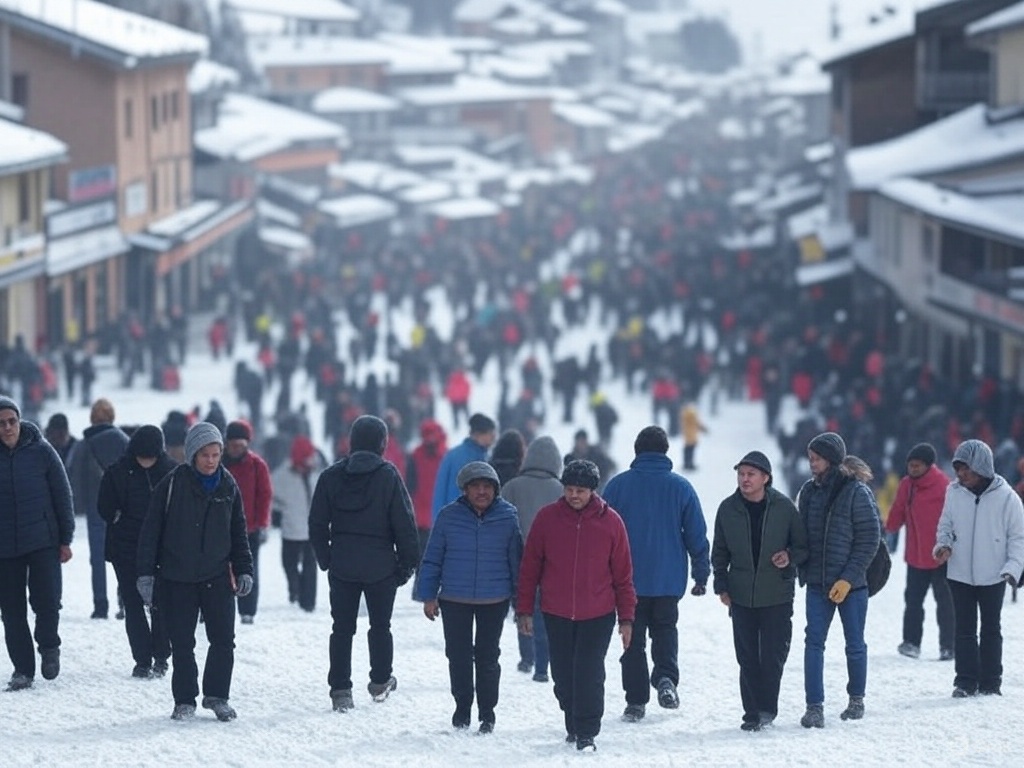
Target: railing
(952,88)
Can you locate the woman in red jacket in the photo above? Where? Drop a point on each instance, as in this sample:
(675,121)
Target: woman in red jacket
(577,552)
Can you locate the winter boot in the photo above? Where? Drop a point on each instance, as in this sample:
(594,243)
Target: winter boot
(585,744)
(634,713)
(183,712)
(946,654)
(814,717)
(962,693)
(854,710)
(220,707)
(159,667)
(909,649)
(380,691)
(19,682)
(341,699)
(50,665)
(142,672)
(748,725)
(668,698)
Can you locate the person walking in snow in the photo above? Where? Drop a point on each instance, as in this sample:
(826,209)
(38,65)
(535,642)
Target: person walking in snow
(481,437)
(421,474)
(194,539)
(293,483)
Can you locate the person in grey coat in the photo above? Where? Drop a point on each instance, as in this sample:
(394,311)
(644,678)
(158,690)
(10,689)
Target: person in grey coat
(536,486)
(980,537)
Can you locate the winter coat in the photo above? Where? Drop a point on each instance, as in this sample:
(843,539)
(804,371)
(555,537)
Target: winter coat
(36,510)
(761,584)
(581,562)
(446,490)
(985,533)
(843,536)
(101,445)
(123,502)
(253,479)
(692,425)
(293,494)
(360,521)
(191,535)
(538,484)
(918,505)
(470,557)
(424,463)
(665,522)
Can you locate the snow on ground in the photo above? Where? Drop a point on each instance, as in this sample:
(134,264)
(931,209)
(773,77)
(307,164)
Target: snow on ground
(95,713)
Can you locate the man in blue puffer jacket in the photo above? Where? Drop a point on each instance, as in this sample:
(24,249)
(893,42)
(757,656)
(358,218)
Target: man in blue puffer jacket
(469,572)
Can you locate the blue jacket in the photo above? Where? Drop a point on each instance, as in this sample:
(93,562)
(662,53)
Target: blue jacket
(472,558)
(446,490)
(35,497)
(664,521)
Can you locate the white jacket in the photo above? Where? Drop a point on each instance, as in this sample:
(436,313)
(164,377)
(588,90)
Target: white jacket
(291,499)
(985,535)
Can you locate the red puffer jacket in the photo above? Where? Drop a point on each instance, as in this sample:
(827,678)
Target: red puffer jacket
(253,479)
(581,562)
(918,504)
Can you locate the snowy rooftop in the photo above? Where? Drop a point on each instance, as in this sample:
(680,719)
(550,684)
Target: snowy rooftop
(184,219)
(642,24)
(374,176)
(284,51)
(468,89)
(583,115)
(462,208)
(444,45)
(314,10)
(272,212)
(285,238)
(961,140)
(356,210)
(22,148)
(512,68)
(451,163)
(344,100)
(861,39)
(115,31)
(428,192)
(207,74)
(552,51)
(248,128)
(1007,18)
(801,83)
(527,17)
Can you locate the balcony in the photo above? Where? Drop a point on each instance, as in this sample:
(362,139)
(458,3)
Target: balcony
(952,90)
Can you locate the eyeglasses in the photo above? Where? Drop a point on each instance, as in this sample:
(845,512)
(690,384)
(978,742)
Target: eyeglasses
(4,423)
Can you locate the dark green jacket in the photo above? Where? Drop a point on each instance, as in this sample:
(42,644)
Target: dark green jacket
(732,556)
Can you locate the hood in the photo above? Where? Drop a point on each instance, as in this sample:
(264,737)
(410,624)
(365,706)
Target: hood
(29,434)
(976,455)
(96,429)
(432,432)
(543,455)
(353,494)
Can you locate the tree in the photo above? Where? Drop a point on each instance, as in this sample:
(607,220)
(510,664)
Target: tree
(708,45)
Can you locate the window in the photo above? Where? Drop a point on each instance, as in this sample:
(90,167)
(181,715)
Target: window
(24,197)
(177,184)
(129,118)
(154,112)
(154,192)
(165,108)
(19,89)
(174,105)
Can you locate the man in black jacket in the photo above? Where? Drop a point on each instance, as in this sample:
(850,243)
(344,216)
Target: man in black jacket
(362,530)
(194,538)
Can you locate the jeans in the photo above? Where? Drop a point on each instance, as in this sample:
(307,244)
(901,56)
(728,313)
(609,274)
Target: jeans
(658,617)
(97,528)
(853,613)
(380,602)
(578,649)
(300,569)
(247,604)
(534,649)
(466,653)
(147,637)
(979,665)
(761,637)
(182,603)
(918,582)
(39,572)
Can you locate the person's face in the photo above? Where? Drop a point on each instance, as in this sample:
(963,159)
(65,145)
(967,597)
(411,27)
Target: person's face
(480,493)
(145,461)
(576,496)
(237,447)
(10,427)
(751,482)
(207,458)
(486,439)
(916,468)
(819,465)
(967,476)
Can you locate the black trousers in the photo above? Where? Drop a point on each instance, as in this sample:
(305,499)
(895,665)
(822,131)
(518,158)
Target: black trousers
(578,650)
(182,603)
(380,602)
(979,665)
(300,569)
(247,604)
(761,637)
(147,636)
(656,616)
(918,582)
(38,573)
(466,652)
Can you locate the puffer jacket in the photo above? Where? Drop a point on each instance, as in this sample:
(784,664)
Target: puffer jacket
(470,557)
(253,479)
(918,505)
(446,487)
(123,502)
(36,511)
(293,493)
(538,484)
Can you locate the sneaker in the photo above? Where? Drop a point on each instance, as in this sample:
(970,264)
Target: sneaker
(540,677)
(142,672)
(910,650)
(634,713)
(246,619)
(341,699)
(50,665)
(380,691)
(962,693)
(19,682)
(159,667)
(946,654)
(585,744)
(854,710)
(814,717)
(220,707)
(668,698)
(749,726)
(525,667)
(183,712)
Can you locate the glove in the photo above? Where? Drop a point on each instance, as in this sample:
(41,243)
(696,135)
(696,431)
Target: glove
(244,585)
(1009,580)
(145,586)
(699,589)
(839,591)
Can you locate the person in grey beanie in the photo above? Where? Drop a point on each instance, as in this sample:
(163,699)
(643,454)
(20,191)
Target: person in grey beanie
(980,538)
(194,538)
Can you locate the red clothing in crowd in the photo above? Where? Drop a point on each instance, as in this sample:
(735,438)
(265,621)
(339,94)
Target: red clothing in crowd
(918,505)
(253,479)
(425,460)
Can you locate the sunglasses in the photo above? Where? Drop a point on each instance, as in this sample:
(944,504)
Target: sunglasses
(8,422)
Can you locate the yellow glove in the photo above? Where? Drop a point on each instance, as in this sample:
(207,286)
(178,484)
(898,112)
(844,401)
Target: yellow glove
(839,591)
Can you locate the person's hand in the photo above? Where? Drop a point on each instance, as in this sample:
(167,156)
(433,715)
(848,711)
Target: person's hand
(942,554)
(699,589)
(65,553)
(525,624)
(145,586)
(626,633)
(431,609)
(1009,580)
(726,600)
(781,559)
(839,591)
(245,584)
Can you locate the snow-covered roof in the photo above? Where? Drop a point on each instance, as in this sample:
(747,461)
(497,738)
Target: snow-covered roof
(801,84)
(961,140)
(444,45)
(1007,18)
(248,128)
(428,192)
(528,26)
(313,10)
(583,115)
(807,221)
(112,32)
(468,89)
(626,138)
(23,148)
(207,74)
(345,100)
(283,51)
(640,25)
(461,208)
(451,163)
(269,211)
(552,51)
(523,17)
(375,176)
(512,68)
(184,219)
(285,238)
(356,210)
(861,39)
(11,111)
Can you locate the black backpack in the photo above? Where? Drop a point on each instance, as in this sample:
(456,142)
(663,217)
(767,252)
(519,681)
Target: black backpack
(878,570)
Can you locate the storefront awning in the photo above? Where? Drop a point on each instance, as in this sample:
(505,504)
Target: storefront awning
(823,271)
(66,254)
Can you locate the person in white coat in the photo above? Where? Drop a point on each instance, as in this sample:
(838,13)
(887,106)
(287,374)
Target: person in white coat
(981,538)
(293,483)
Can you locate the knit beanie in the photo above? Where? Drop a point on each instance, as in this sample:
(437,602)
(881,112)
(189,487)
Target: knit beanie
(830,447)
(581,473)
(757,460)
(368,433)
(477,470)
(146,442)
(238,430)
(7,403)
(922,452)
(200,435)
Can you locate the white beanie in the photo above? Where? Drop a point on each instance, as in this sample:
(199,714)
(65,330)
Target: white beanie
(200,435)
